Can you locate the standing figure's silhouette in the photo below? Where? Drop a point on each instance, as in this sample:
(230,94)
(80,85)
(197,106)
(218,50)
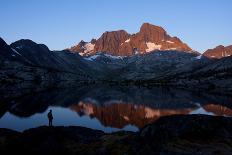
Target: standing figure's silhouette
(50,117)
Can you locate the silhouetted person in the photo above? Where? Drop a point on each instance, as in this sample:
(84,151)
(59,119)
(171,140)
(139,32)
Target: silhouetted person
(50,117)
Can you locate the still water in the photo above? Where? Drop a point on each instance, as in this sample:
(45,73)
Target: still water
(107,108)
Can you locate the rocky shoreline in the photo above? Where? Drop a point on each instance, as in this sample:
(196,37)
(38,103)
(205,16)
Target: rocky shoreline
(180,134)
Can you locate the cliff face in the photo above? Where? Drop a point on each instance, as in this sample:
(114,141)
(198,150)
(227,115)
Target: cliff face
(120,43)
(151,37)
(111,41)
(219,52)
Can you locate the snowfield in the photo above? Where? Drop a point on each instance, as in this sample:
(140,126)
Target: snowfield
(152,46)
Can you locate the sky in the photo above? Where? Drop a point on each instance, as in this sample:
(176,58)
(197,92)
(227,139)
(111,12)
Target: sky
(60,24)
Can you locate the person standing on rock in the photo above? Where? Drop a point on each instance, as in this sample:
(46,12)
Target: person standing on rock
(50,117)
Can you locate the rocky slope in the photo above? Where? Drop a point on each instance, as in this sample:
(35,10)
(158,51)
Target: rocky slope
(26,61)
(214,76)
(194,134)
(30,64)
(120,43)
(181,69)
(219,52)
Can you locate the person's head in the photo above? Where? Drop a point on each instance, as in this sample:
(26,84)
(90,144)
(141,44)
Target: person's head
(50,110)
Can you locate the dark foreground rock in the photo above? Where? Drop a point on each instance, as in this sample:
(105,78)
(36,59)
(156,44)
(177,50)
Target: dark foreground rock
(196,134)
(193,134)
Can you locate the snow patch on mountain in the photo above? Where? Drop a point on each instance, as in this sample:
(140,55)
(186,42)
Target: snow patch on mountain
(15,51)
(94,57)
(88,48)
(152,46)
(91,58)
(19,47)
(127,41)
(113,57)
(199,57)
(172,49)
(171,42)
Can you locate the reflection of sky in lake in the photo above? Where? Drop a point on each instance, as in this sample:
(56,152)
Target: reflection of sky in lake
(107,109)
(70,117)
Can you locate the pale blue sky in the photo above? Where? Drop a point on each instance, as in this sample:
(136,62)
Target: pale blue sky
(59,24)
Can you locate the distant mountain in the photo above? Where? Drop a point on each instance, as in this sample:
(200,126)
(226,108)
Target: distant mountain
(120,43)
(7,53)
(40,55)
(174,68)
(145,66)
(25,61)
(219,52)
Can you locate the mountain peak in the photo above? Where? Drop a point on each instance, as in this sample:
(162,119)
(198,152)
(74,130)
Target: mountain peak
(2,42)
(4,48)
(152,33)
(93,41)
(220,46)
(110,41)
(23,42)
(120,43)
(219,52)
(148,26)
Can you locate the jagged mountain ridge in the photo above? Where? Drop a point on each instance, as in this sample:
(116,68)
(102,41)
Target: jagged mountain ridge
(121,43)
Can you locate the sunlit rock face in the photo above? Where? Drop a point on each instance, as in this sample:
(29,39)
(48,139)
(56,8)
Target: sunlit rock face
(219,52)
(120,43)
(110,42)
(151,38)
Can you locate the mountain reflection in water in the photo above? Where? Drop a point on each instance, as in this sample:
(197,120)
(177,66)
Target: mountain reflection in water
(119,115)
(107,108)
